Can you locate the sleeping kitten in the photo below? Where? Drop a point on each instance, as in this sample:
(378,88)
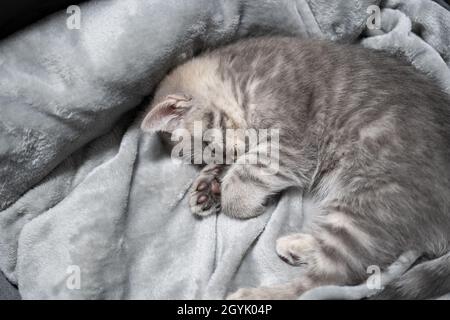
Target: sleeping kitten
(365,135)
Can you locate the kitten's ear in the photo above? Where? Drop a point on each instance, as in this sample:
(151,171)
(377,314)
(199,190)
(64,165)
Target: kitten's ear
(166,115)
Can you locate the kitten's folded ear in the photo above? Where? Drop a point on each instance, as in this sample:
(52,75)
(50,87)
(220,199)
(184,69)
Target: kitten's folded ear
(166,115)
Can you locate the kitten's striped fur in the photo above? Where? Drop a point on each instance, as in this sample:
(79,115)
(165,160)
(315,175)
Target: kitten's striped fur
(365,134)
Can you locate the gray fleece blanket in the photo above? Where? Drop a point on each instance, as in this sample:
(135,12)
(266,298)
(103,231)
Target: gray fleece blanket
(91,208)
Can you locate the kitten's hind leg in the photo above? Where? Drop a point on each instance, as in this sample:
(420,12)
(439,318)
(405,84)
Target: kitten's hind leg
(205,191)
(332,254)
(321,256)
(298,249)
(296,288)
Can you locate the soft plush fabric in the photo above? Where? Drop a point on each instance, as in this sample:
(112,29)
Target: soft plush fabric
(86,196)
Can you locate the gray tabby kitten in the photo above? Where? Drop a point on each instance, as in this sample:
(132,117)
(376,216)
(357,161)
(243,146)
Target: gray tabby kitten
(364,134)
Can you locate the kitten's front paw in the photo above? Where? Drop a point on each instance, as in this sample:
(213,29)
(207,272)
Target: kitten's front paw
(205,195)
(297,249)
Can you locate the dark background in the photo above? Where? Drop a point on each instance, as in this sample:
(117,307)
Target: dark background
(17,14)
